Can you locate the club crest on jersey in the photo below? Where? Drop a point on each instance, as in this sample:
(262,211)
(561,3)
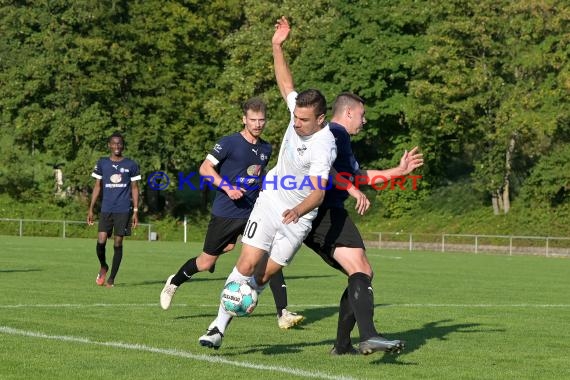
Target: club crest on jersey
(263,157)
(254,170)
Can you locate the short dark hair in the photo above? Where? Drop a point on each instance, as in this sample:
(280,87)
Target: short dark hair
(255,105)
(312,98)
(116,134)
(344,100)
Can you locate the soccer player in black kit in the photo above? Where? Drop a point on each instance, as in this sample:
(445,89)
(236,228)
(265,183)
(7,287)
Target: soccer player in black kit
(335,237)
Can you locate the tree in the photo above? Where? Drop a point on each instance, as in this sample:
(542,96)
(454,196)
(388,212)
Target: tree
(75,71)
(489,84)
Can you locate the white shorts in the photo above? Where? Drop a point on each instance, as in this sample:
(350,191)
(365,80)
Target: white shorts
(265,230)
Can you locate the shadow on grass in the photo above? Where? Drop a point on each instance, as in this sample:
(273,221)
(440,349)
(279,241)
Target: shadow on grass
(415,339)
(206,277)
(19,270)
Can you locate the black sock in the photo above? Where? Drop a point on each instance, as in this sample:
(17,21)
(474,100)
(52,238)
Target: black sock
(279,290)
(101,255)
(117,257)
(346,322)
(362,301)
(185,272)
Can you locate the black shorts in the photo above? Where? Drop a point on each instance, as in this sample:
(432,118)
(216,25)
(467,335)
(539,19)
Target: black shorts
(221,232)
(120,222)
(333,228)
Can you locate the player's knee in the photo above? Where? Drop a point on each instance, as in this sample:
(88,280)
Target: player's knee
(246,268)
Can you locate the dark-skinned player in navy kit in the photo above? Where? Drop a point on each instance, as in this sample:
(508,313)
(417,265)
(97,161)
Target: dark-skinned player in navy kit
(116,180)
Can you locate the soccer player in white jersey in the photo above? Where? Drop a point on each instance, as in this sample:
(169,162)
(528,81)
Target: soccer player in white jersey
(292,190)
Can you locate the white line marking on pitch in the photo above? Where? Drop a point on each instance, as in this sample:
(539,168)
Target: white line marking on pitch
(155,305)
(178,353)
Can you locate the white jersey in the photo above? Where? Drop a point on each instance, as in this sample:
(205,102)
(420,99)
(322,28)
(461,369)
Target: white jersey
(300,157)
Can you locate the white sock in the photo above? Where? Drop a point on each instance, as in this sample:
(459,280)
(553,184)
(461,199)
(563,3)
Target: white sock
(256,286)
(236,276)
(223,319)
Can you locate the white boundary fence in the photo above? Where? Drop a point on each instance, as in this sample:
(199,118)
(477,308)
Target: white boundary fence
(46,227)
(502,244)
(548,246)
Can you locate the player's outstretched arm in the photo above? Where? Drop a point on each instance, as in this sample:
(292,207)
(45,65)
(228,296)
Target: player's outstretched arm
(313,200)
(282,72)
(410,161)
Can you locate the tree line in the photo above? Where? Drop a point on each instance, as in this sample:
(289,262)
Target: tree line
(481,86)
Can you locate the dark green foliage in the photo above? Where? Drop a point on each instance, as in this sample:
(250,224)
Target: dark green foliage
(481,86)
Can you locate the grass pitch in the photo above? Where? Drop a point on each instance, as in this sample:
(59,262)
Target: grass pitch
(464,316)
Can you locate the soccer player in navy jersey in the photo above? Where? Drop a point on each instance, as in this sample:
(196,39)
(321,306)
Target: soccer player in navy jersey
(116,179)
(234,166)
(337,240)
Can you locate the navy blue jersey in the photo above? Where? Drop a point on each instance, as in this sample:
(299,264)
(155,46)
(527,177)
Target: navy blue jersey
(242,164)
(345,164)
(116,180)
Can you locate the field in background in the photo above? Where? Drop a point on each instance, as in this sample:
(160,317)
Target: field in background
(463,315)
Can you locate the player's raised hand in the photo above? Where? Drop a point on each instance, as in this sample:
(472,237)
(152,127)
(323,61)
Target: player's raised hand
(282,30)
(411,160)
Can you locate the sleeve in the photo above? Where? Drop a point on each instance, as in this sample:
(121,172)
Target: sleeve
(291,99)
(135,172)
(97,170)
(220,151)
(322,157)
(348,163)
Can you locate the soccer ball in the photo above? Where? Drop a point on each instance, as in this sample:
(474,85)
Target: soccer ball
(238,298)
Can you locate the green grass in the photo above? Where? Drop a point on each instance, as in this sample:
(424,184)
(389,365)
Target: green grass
(464,316)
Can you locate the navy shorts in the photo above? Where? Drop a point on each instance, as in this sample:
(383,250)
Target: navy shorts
(120,222)
(221,232)
(333,228)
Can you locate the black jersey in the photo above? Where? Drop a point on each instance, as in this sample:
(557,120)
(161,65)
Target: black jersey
(345,164)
